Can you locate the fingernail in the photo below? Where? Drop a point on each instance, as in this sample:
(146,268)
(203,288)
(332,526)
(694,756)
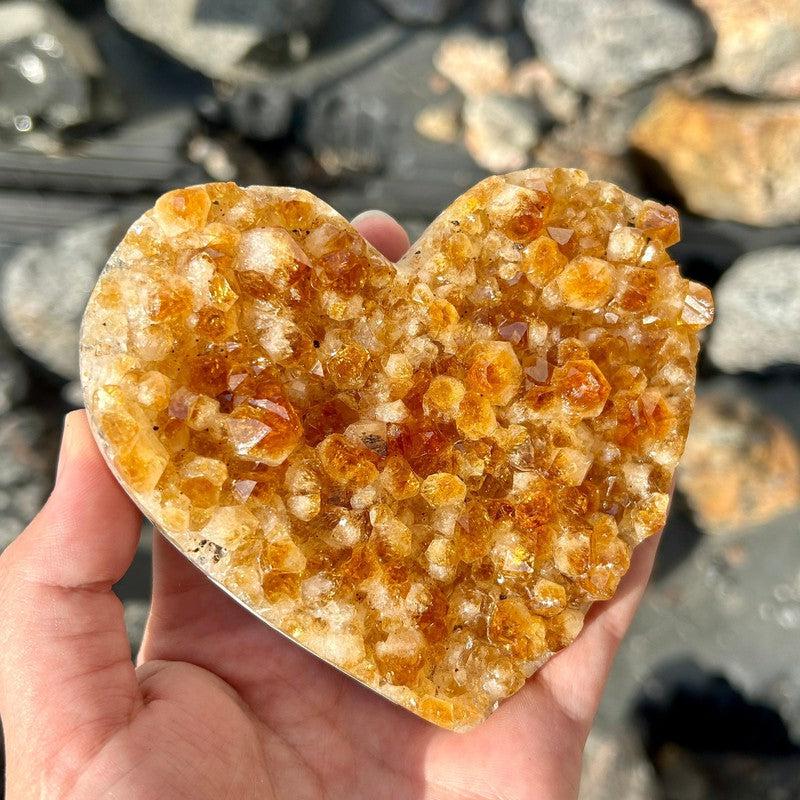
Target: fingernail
(372,213)
(67,445)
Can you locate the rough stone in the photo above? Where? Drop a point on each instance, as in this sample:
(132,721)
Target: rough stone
(13,379)
(728,159)
(757,50)
(741,467)
(25,471)
(500,131)
(420,12)
(604,47)
(46,65)
(427,471)
(260,111)
(615,767)
(758,302)
(348,131)
(44,288)
(226,39)
(439,123)
(476,65)
(533,79)
(505,108)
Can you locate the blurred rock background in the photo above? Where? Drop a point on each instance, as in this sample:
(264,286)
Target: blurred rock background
(400,105)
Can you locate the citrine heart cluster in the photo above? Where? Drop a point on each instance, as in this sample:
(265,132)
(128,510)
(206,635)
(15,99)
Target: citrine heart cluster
(424,472)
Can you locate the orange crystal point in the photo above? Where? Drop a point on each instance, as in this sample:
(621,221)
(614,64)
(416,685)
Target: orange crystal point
(423,472)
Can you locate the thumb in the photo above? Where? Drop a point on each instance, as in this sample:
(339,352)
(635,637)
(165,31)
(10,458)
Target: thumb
(66,676)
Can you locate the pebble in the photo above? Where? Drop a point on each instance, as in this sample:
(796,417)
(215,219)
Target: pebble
(439,123)
(476,65)
(226,39)
(603,47)
(348,131)
(44,288)
(25,470)
(47,64)
(741,466)
(758,312)
(500,131)
(727,158)
(757,50)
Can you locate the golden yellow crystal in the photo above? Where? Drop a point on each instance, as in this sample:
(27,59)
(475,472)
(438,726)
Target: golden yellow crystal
(423,472)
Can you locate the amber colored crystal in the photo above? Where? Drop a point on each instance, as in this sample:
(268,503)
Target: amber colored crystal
(424,472)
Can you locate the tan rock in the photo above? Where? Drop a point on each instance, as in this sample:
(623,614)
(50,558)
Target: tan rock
(439,123)
(757,51)
(728,159)
(741,466)
(475,64)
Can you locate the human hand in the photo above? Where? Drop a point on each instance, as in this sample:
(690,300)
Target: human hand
(221,706)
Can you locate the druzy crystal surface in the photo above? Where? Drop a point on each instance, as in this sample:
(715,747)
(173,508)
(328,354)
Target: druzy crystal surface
(424,472)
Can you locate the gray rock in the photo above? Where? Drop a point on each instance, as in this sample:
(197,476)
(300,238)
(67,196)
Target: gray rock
(420,12)
(44,288)
(604,47)
(758,312)
(13,379)
(46,63)
(25,471)
(228,39)
(261,111)
(615,767)
(348,131)
(500,131)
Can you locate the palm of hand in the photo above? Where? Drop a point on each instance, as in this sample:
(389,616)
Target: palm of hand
(229,708)
(221,706)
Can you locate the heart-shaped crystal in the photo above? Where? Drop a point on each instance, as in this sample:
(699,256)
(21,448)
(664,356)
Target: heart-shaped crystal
(423,472)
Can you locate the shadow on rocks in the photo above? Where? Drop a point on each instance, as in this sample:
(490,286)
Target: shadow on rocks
(707,740)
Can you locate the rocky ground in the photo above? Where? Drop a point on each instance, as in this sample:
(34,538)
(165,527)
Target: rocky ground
(402,104)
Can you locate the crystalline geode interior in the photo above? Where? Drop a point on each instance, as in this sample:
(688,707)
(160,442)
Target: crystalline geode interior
(423,472)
